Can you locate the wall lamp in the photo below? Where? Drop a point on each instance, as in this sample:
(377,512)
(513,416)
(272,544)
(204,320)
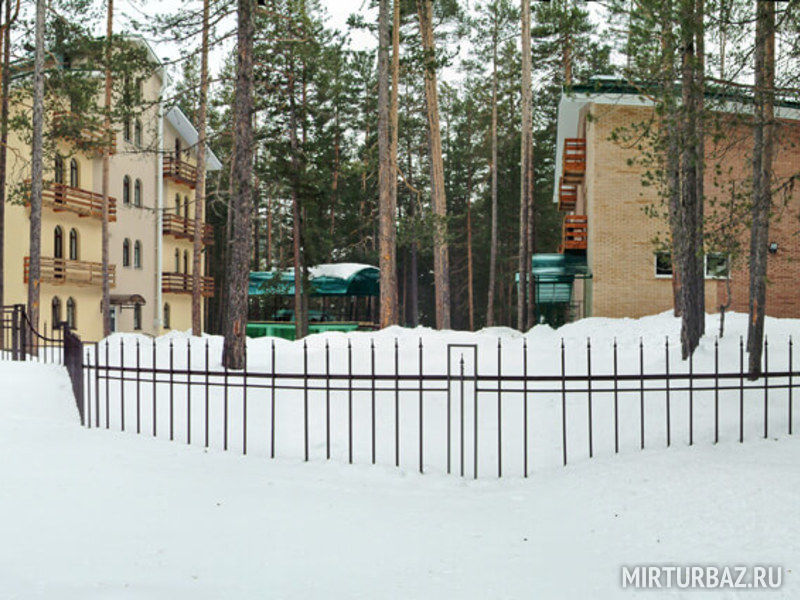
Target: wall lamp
(773,247)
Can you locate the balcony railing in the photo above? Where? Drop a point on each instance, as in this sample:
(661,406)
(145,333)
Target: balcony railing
(89,138)
(181,283)
(574,160)
(74,272)
(182,228)
(179,171)
(60,197)
(575,232)
(567,195)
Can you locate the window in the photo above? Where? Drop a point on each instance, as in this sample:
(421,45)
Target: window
(137,317)
(126,190)
(186,207)
(177,149)
(126,130)
(178,204)
(166,315)
(58,176)
(112,316)
(185,262)
(717,265)
(126,253)
(663,264)
(56,311)
(73,244)
(73,173)
(137,133)
(137,193)
(137,254)
(177,261)
(58,242)
(71,310)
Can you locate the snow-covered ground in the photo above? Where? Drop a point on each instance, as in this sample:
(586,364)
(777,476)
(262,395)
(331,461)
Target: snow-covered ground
(185,407)
(90,513)
(100,514)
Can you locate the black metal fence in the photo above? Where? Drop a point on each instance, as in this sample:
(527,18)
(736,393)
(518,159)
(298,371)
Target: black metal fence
(474,415)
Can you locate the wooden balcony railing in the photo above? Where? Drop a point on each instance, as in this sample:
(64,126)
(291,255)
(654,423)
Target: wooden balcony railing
(182,228)
(60,197)
(89,139)
(575,232)
(567,195)
(179,171)
(574,160)
(181,283)
(75,272)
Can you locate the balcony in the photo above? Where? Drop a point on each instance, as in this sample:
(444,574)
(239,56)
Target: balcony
(63,198)
(574,160)
(575,233)
(567,195)
(179,171)
(181,283)
(182,228)
(89,139)
(72,272)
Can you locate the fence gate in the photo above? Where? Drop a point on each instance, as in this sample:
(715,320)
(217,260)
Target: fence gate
(12,332)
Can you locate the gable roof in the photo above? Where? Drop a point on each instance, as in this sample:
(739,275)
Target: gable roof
(183,126)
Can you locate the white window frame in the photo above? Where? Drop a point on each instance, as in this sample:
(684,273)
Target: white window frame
(655,265)
(716,277)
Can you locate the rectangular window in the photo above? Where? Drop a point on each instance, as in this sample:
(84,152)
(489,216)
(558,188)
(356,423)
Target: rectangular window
(663,264)
(717,265)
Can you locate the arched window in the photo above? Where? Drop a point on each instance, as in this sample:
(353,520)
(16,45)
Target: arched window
(58,176)
(73,173)
(126,190)
(137,193)
(166,315)
(58,242)
(137,254)
(137,317)
(126,130)
(71,318)
(56,311)
(126,253)
(185,261)
(177,261)
(178,204)
(186,207)
(177,149)
(73,244)
(137,133)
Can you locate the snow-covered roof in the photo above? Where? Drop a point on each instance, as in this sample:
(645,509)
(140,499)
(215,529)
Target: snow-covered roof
(188,133)
(332,279)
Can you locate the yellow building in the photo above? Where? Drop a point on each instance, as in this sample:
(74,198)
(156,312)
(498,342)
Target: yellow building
(153,163)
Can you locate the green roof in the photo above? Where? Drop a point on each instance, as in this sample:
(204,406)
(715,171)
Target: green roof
(342,279)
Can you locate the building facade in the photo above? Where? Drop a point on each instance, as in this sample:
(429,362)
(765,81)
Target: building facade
(616,222)
(150,293)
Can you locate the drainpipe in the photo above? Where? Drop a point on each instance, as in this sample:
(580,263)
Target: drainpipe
(159,316)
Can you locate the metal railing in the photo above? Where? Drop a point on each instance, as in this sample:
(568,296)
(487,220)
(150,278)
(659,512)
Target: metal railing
(410,414)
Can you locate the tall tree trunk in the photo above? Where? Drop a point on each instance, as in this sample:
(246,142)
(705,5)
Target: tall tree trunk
(200,187)
(441,262)
(34,273)
(106,293)
(493,244)
(698,89)
(531,249)
(413,267)
(300,316)
(4,86)
(387,202)
(470,282)
(234,352)
(762,179)
(526,167)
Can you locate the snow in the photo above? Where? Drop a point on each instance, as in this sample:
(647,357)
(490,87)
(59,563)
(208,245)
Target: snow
(544,418)
(99,513)
(337,270)
(89,513)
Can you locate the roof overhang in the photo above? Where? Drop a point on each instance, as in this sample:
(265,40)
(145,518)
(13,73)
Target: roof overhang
(181,123)
(127,300)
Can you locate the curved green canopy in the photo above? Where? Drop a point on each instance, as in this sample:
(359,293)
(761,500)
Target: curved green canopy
(340,279)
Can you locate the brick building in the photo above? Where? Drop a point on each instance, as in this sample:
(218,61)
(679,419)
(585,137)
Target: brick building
(609,226)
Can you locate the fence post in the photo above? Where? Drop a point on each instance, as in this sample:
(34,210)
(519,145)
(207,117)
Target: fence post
(766,388)
(790,385)
(666,356)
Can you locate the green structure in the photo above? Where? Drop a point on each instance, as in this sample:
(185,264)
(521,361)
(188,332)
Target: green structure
(554,276)
(341,284)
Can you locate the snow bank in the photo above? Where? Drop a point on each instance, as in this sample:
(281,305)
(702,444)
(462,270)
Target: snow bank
(97,514)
